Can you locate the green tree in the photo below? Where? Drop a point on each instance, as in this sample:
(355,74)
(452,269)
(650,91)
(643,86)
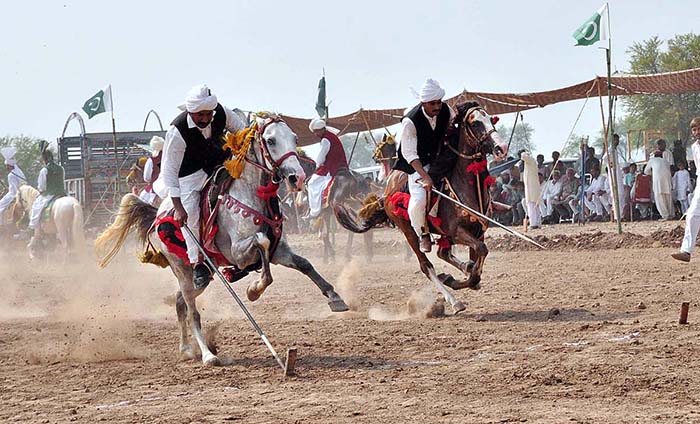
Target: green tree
(669,112)
(364,148)
(28,156)
(522,138)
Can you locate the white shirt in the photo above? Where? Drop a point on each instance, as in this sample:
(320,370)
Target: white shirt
(598,184)
(325,148)
(668,156)
(408,140)
(660,172)
(41,180)
(15,178)
(174,150)
(695,149)
(148,170)
(681,184)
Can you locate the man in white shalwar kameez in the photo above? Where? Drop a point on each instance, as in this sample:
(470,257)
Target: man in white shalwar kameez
(660,171)
(532,190)
(15,178)
(192,150)
(692,216)
(151,171)
(607,162)
(597,197)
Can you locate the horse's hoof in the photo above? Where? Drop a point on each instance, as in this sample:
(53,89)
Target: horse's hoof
(338,306)
(254,292)
(211,360)
(186,354)
(458,307)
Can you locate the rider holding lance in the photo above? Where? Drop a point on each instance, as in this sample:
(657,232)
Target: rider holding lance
(193,148)
(330,160)
(423,129)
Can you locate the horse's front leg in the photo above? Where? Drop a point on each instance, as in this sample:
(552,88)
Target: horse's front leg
(248,251)
(446,255)
(478,252)
(285,257)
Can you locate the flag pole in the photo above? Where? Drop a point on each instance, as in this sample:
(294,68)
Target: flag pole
(609,132)
(117,175)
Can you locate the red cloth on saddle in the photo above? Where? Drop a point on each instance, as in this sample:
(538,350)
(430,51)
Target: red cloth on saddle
(400,202)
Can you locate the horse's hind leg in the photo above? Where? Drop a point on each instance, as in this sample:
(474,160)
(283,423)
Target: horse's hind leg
(285,257)
(181,308)
(189,294)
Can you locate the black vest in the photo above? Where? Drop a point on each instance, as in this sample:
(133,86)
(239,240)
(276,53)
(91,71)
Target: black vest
(202,153)
(429,140)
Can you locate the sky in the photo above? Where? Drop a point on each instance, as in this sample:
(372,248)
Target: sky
(269,55)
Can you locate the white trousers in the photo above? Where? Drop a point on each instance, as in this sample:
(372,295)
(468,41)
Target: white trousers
(600,204)
(417,203)
(316,185)
(664,203)
(37,207)
(5,203)
(692,223)
(534,213)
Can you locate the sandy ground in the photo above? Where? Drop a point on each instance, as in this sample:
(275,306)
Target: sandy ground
(571,334)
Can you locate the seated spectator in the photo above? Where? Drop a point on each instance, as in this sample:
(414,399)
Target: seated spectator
(597,197)
(552,190)
(569,189)
(517,197)
(541,168)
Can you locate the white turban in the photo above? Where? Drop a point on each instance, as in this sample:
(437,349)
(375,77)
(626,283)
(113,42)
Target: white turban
(157,144)
(199,98)
(317,124)
(9,154)
(431,91)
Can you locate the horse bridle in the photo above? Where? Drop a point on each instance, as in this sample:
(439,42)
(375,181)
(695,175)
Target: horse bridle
(470,132)
(270,165)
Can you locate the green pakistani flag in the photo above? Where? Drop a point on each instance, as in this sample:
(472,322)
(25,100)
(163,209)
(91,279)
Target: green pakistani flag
(321,101)
(593,30)
(100,102)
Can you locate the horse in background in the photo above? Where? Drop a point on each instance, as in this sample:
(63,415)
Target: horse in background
(134,178)
(65,223)
(385,154)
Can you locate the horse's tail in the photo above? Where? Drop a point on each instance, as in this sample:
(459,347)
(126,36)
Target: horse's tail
(133,214)
(371,214)
(78,236)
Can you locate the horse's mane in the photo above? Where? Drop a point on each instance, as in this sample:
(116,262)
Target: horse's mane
(462,110)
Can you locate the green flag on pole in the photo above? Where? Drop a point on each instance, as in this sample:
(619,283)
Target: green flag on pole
(100,102)
(593,30)
(321,101)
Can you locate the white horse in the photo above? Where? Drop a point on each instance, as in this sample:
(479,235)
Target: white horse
(241,236)
(65,221)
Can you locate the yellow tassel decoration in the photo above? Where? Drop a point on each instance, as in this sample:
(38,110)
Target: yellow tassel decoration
(154,257)
(370,205)
(238,143)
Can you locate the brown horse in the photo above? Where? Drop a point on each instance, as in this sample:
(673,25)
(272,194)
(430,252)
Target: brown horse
(470,139)
(347,188)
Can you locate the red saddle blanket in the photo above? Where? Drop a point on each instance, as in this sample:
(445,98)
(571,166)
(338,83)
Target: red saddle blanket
(400,202)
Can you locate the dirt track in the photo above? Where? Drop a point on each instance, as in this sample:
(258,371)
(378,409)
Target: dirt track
(565,335)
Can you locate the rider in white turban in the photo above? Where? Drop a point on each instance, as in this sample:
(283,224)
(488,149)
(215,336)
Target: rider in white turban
(431,91)
(15,178)
(317,124)
(151,170)
(199,98)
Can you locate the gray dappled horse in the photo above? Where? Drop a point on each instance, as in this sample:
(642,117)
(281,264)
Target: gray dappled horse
(240,237)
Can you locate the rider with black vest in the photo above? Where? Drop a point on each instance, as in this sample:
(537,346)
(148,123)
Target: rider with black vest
(50,184)
(193,148)
(422,131)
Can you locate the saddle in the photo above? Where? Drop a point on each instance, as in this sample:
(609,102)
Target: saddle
(46,212)
(213,197)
